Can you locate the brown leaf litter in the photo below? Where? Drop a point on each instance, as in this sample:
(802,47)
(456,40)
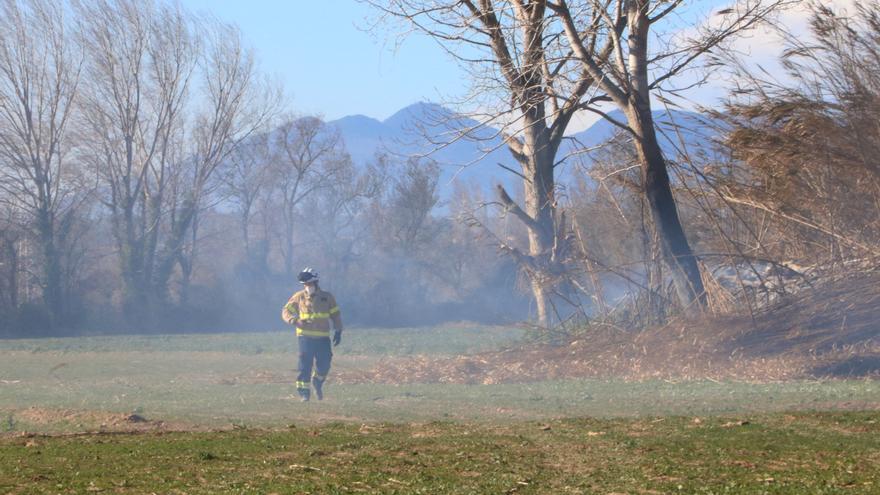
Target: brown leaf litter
(830,331)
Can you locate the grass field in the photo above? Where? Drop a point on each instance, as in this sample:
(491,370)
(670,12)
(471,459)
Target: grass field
(213,413)
(795,454)
(247,379)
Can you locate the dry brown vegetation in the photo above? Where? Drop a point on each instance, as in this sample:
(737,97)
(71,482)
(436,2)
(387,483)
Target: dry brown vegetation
(829,331)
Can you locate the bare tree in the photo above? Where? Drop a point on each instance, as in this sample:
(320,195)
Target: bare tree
(246,180)
(339,216)
(532,86)
(552,59)
(40,69)
(635,73)
(307,160)
(234,104)
(408,237)
(139,73)
(406,214)
(168,99)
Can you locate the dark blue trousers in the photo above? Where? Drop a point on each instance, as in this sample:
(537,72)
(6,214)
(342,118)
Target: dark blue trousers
(313,352)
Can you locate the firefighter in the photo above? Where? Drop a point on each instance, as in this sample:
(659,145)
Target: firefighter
(311,310)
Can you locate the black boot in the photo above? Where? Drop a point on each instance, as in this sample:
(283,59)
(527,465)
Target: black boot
(302,388)
(319,387)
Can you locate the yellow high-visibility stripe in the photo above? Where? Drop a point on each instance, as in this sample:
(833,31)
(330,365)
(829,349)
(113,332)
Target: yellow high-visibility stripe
(313,316)
(300,384)
(312,333)
(291,308)
(334,310)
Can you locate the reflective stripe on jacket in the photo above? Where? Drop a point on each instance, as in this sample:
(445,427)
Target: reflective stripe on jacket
(312,314)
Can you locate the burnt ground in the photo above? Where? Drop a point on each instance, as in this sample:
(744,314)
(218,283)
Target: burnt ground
(829,331)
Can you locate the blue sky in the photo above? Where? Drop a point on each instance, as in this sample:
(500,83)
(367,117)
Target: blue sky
(328,64)
(331,67)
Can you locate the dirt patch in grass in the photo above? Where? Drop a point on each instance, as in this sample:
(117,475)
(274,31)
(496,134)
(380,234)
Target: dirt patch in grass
(848,405)
(830,331)
(263,377)
(254,377)
(61,420)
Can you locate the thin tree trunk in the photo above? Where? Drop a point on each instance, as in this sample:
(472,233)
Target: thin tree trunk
(174,249)
(137,297)
(52,285)
(12,260)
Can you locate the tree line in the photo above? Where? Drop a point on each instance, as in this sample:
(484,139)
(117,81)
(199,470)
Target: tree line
(148,181)
(655,222)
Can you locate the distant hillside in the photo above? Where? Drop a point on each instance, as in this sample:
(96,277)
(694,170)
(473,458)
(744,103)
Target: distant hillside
(471,162)
(464,161)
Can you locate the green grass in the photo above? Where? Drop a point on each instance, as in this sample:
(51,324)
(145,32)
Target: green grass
(216,389)
(220,419)
(796,454)
(217,380)
(450,339)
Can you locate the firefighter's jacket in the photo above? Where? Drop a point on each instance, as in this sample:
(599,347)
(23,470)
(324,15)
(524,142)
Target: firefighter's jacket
(312,313)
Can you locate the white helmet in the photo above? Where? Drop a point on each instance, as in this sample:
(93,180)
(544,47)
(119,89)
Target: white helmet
(307,276)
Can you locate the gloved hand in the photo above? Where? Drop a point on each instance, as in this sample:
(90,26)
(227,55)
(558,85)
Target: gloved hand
(337,337)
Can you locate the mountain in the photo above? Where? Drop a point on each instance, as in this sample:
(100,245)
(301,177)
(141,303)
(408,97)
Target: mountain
(475,161)
(462,161)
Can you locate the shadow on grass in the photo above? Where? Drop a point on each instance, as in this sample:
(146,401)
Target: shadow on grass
(854,367)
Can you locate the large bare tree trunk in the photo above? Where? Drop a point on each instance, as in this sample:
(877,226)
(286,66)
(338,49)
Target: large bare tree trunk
(535,153)
(655,178)
(539,87)
(541,58)
(629,78)
(541,208)
(658,192)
